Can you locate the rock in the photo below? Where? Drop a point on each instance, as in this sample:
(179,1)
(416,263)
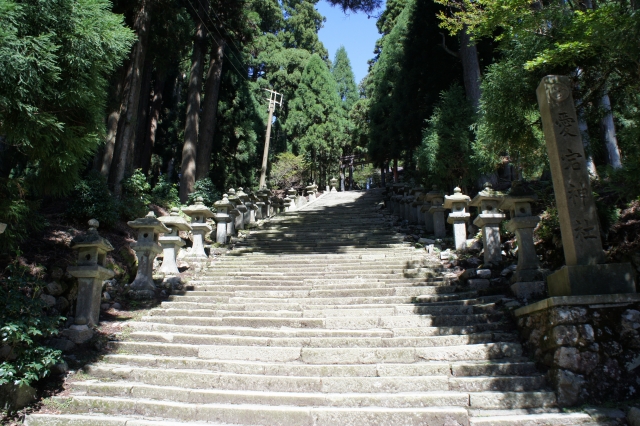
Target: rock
(54,288)
(57,273)
(483,273)
(567,315)
(105,306)
(116,306)
(106,296)
(586,333)
(15,397)
(508,270)
(588,362)
(468,274)
(478,283)
(64,345)
(62,304)
(426,241)
(60,368)
(48,300)
(569,386)
(474,245)
(78,334)
(568,358)
(564,335)
(633,416)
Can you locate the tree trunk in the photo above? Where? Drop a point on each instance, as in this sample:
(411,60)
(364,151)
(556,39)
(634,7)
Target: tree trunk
(584,131)
(609,133)
(395,170)
(210,110)
(105,160)
(131,96)
(143,116)
(188,168)
(470,67)
(154,115)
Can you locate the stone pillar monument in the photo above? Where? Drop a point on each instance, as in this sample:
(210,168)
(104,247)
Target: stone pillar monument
(458,203)
(311,190)
(171,242)
(489,220)
(222,218)
(436,211)
(199,214)
(90,271)
(146,248)
(585,272)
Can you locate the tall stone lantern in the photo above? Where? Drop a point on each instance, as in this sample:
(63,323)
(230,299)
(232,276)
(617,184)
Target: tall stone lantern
(246,202)
(311,190)
(199,213)
(234,197)
(436,212)
(90,271)
(146,248)
(416,204)
(236,213)
(260,203)
(488,201)
(222,218)
(291,195)
(171,242)
(333,182)
(255,212)
(458,203)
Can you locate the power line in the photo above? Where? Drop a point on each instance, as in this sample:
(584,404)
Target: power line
(223,26)
(205,26)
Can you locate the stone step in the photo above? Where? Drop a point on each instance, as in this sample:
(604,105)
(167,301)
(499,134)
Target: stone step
(273,285)
(207,317)
(273,397)
(545,419)
(499,368)
(321,342)
(267,415)
(472,352)
(203,296)
(101,420)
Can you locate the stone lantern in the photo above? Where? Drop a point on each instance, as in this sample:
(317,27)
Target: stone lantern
(529,278)
(246,202)
(232,226)
(199,214)
(171,242)
(458,203)
(146,248)
(222,218)
(407,199)
(240,207)
(291,195)
(435,217)
(90,271)
(255,212)
(311,190)
(261,204)
(488,202)
(274,207)
(416,204)
(333,182)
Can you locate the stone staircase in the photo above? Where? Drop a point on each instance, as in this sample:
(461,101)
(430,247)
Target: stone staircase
(322,317)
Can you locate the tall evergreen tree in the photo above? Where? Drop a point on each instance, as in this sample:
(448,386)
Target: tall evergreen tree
(345,80)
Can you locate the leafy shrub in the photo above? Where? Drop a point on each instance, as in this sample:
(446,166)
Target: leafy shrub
(24,327)
(204,188)
(286,170)
(165,194)
(91,199)
(136,196)
(18,212)
(361,174)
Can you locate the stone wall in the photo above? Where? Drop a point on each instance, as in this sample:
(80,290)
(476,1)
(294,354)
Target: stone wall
(591,351)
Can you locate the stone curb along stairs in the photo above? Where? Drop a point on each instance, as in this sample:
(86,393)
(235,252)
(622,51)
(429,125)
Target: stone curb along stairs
(321,317)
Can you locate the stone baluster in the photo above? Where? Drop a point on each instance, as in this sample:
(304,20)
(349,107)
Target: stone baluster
(171,242)
(436,212)
(488,201)
(246,202)
(222,218)
(146,248)
(199,214)
(90,271)
(333,183)
(458,203)
(529,278)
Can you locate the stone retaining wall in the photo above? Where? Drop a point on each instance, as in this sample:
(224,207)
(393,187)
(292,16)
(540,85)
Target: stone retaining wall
(591,351)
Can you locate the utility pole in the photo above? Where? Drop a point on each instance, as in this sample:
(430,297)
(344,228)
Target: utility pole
(275,99)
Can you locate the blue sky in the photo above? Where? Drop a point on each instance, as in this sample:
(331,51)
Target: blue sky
(354,31)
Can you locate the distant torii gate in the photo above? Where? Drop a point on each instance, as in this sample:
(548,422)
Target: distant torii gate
(350,160)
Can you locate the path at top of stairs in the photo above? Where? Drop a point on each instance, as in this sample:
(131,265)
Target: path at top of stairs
(321,317)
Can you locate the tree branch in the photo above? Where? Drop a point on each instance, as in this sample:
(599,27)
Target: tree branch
(449,51)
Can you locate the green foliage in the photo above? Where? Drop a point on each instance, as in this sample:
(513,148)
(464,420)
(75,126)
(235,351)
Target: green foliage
(446,155)
(24,326)
(55,57)
(205,188)
(136,196)
(345,80)
(91,199)
(165,194)
(361,174)
(286,170)
(19,212)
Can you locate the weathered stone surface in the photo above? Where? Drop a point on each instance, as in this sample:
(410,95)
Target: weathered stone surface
(568,387)
(479,284)
(15,397)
